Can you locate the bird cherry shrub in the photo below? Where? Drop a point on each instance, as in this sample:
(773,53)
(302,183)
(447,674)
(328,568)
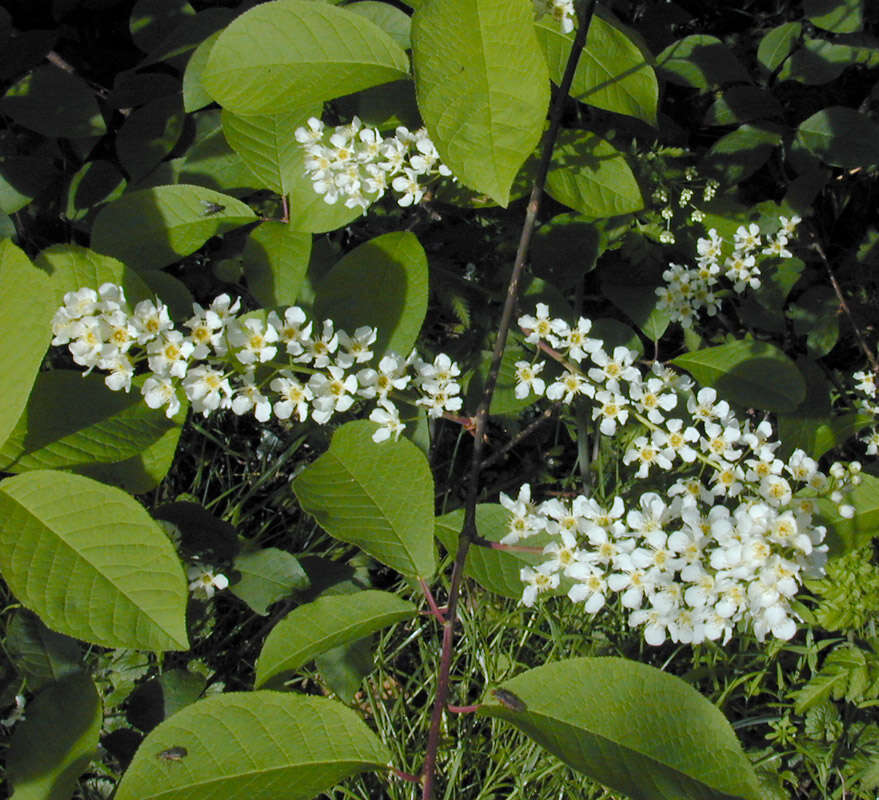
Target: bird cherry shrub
(419,321)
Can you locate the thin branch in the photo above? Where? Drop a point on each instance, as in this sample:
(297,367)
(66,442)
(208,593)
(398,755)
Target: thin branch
(532,426)
(468,531)
(874,364)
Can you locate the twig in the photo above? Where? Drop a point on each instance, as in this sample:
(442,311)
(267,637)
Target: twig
(816,246)
(468,530)
(532,426)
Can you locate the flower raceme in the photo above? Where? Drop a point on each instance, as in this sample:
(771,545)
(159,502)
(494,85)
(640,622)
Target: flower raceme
(284,366)
(735,531)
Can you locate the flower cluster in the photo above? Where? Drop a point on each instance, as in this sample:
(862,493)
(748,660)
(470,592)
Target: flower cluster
(675,200)
(728,542)
(357,165)
(562,11)
(869,403)
(690,290)
(282,365)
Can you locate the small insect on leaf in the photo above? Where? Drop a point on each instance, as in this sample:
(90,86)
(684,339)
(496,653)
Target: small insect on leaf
(172,754)
(212,208)
(509,700)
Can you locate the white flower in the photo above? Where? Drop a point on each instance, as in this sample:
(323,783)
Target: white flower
(150,320)
(568,387)
(254,340)
(207,389)
(355,349)
(591,590)
(169,354)
(388,418)
(248,396)
(318,350)
(294,396)
(612,410)
(161,391)
(331,393)
(541,326)
(528,380)
(536,582)
(293,330)
(204,582)
(391,374)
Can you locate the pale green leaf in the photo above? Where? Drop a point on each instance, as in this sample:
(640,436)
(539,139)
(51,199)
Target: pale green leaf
(864,525)
(152,228)
(212,163)
(259,745)
(26,310)
(53,745)
(777,44)
(267,575)
(382,283)
(194,94)
(750,373)
(395,23)
(485,111)
(841,137)
(591,176)
(41,656)
(275,263)
(54,102)
(837,16)
(89,560)
(72,267)
(632,727)
(74,419)
(281,55)
(495,570)
(702,62)
(323,624)
(612,72)
(152,20)
(377,496)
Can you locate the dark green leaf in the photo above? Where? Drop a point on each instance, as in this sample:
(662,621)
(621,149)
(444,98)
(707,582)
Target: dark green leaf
(275,263)
(40,655)
(700,61)
(841,137)
(267,575)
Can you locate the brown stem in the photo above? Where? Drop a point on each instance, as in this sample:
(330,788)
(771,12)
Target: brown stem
(468,530)
(549,413)
(874,364)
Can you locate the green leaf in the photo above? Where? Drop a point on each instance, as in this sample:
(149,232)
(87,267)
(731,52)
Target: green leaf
(701,62)
(40,655)
(612,72)
(212,163)
(267,576)
(395,23)
(495,570)
(749,373)
(382,283)
(73,419)
(843,667)
(155,227)
(89,560)
(485,111)
(53,745)
(633,728)
(54,102)
(260,745)
(841,137)
(814,316)
(860,529)
(22,178)
(377,496)
(148,134)
(157,699)
(777,44)
(836,16)
(26,310)
(743,104)
(504,400)
(94,183)
(188,34)
(818,61)
(591,176)
(307,52)
(152,20)
(194,94)
(323,624)
(275,263)
(73,267)
(344,667)
(734,157)
(638,301)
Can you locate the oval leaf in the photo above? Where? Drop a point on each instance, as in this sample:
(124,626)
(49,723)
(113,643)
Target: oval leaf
(592,177)
(259,745)
(702,62)
(323,624)
(155,227)
(377,496)
(53,745)
(26,309)
(612,72)
(485,110)
(630,726)
(275,263)
(495,570)
(382,283)
(281,55)
(89,560)
(842,137)
(752,374)
(267,575)
(73,419)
